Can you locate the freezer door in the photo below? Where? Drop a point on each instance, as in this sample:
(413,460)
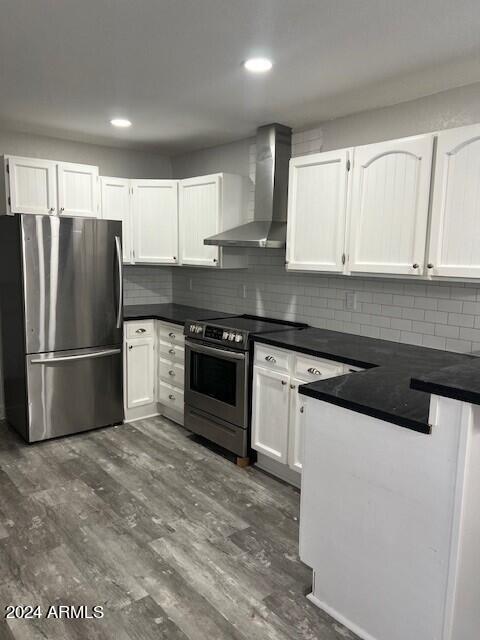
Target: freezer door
(72,274)
(73,391)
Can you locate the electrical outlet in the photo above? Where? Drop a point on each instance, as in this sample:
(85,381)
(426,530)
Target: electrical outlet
(351,301)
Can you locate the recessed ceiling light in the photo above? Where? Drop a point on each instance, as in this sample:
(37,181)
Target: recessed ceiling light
(258,65)
(121,122)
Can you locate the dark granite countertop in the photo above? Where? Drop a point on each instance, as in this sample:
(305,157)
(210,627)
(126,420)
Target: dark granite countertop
(385,390)
(170,312)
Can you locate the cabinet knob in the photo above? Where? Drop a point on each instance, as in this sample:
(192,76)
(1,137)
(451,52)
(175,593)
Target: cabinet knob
(215,260)
(171,373)
(52,209)
(62,208)
(171,396)
(174,257)
(314,372)
(172,335)
(292,386)
(140,330)
(270,359)
(284,382)
(429,265)
(302,409)
(171,351)
(130,347)
(415,265)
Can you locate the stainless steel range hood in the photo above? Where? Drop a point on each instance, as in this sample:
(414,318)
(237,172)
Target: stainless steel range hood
(269,227)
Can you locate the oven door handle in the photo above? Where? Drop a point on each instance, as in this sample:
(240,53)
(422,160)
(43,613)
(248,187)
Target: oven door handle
(201,348)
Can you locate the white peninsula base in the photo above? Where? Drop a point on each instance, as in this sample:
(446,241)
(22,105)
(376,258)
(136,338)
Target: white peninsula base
(390,521)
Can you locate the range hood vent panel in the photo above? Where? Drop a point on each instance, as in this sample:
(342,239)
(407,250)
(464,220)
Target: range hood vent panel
(269,227)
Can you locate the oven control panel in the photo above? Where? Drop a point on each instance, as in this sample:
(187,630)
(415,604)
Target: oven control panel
(216,334)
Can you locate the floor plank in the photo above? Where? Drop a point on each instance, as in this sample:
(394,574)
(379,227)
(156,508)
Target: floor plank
(170,538)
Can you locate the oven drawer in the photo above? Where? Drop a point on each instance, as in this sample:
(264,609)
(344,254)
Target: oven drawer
(171,333)
(173,352)
(139,328)
(309,369)
(171,396)
(171,371)
(228,436)
(273,358)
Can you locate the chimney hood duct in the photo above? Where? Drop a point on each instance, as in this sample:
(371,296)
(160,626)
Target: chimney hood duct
(269,226)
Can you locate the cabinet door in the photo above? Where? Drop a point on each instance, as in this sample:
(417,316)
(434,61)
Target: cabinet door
(32,186)
(116,206)
(155,221)
(317,211)
(270,413)
(296,426)
(140,372)
(454,248)
(199,218)
(389,206)
(77,190)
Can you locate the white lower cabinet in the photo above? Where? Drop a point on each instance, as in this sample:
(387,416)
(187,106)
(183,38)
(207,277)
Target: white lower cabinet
(277,407)
(154,369)
(270,413)
(139,371)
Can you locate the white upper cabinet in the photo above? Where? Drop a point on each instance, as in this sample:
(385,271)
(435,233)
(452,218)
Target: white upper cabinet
(77,190)
(155,221)
(116,206)
(454,247)
(389,206)
(199,219)
(317,205)
(209,205)
(31,185)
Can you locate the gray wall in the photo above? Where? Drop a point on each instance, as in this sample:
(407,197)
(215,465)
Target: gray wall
(443,316)
(121,163)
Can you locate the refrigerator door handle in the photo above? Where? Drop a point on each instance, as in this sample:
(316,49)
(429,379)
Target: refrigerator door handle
(80,356)
(118,246)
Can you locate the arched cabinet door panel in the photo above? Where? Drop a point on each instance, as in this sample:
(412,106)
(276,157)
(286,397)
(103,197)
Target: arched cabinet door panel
(454,247)
(389,206)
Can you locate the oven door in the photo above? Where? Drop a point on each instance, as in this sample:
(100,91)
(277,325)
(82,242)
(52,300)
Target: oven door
(216,382)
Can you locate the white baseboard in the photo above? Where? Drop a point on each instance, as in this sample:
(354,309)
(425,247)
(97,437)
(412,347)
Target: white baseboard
(361,633)
(279,470)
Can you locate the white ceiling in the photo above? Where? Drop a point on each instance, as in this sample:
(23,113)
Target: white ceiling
(174,66)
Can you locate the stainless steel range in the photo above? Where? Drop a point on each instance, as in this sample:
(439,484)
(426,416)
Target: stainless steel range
(218,377)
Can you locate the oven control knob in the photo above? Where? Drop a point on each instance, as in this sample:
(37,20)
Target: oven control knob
(192,328)
(238,337)
(198,329)
(231,336)
(225,335)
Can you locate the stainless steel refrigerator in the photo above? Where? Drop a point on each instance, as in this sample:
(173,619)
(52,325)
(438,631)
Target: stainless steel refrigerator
(61,304)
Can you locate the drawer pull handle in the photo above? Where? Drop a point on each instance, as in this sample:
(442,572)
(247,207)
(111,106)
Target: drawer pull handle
(284,382)
(171,373)
(302,409)
(171,351)
(172,335)
(171,396)
(270,359)
(140,331)
(314,372)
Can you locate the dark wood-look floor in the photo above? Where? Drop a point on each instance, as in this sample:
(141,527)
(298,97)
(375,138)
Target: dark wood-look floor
(174,541)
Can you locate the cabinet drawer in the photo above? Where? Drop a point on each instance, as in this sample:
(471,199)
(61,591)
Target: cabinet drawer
(139,328)
(171,333)
(172,352)
(272,358)
(171,371)
(310,369)
(171,397)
